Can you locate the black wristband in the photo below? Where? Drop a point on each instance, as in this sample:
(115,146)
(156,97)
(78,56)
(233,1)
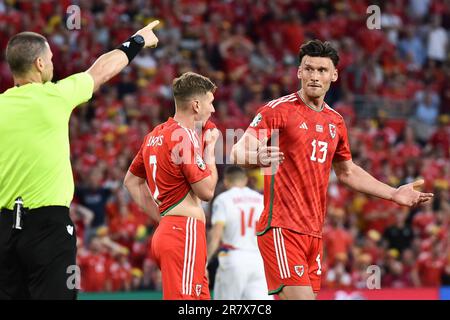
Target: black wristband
(132,46)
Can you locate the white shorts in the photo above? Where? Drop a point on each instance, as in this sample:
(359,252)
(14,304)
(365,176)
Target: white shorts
(240,276)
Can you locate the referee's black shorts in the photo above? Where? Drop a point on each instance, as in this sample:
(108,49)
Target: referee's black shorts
(39,261)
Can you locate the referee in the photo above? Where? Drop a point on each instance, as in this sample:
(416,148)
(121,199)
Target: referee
(37,236)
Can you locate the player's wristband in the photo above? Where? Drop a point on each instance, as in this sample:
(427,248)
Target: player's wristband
(132,46)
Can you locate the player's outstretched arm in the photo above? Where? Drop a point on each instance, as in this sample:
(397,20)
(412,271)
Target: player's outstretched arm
(357,178)
(141,195)
(249,152)
(110,64)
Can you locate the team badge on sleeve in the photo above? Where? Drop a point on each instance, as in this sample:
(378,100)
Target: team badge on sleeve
(299,270)
(256,120)
(332,130)
(200,163)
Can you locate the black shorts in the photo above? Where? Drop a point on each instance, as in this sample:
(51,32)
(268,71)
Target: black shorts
(39,261)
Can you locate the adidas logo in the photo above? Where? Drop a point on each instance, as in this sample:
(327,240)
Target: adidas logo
(126,44)
(304,126)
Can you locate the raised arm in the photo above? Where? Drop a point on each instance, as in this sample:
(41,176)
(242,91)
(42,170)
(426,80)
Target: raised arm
(204,189)
(110,64)
(357,178)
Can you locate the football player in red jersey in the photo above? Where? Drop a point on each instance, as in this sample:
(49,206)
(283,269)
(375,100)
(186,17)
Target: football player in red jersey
(168,177)
(312,138)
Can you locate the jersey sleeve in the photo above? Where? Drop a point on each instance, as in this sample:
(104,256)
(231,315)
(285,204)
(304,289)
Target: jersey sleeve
(266,121)
(76,89)
(137,167)
(190,159)
(343,152)
(208,126)
(218,211)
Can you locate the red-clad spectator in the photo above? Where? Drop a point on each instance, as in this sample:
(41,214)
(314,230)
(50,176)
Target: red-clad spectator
(337,277)
(122,222)
(336,239)
(378,154)
(429,268)
(5,75)
(409,148)
(235,52)
(346,108)
(371,40)
(293,32)
(434,171)
(139,249)
(119,273)
(356,77)
(408,259)
(93,264)
(359,274)
(422,219)
(338,195)
(378,214)
(440,139)
(371,247)
(81,217)
(395,276)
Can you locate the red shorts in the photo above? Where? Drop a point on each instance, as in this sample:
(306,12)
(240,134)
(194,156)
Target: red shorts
(179,248)
(290,259)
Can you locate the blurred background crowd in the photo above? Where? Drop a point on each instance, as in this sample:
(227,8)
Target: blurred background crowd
(393,91)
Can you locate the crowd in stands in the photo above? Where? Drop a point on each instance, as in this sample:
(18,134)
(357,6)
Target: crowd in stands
(393,91)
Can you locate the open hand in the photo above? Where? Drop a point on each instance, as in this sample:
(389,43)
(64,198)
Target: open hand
(405,195)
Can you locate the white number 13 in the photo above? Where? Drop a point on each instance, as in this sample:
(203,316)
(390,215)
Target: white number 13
(323,146)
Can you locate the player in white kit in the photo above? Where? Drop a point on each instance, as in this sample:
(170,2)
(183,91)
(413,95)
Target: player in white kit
(240,275)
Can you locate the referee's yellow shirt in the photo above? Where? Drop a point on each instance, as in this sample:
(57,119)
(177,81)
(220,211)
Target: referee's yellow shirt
(34,141)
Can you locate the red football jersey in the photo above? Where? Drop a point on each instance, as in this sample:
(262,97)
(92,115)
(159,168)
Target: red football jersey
(295,196)
(170,159)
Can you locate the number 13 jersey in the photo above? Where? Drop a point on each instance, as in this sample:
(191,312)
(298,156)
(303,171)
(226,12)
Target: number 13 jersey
(295,195)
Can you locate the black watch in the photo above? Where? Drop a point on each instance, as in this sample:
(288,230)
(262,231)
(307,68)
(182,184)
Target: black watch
(139,40)
(132,46)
